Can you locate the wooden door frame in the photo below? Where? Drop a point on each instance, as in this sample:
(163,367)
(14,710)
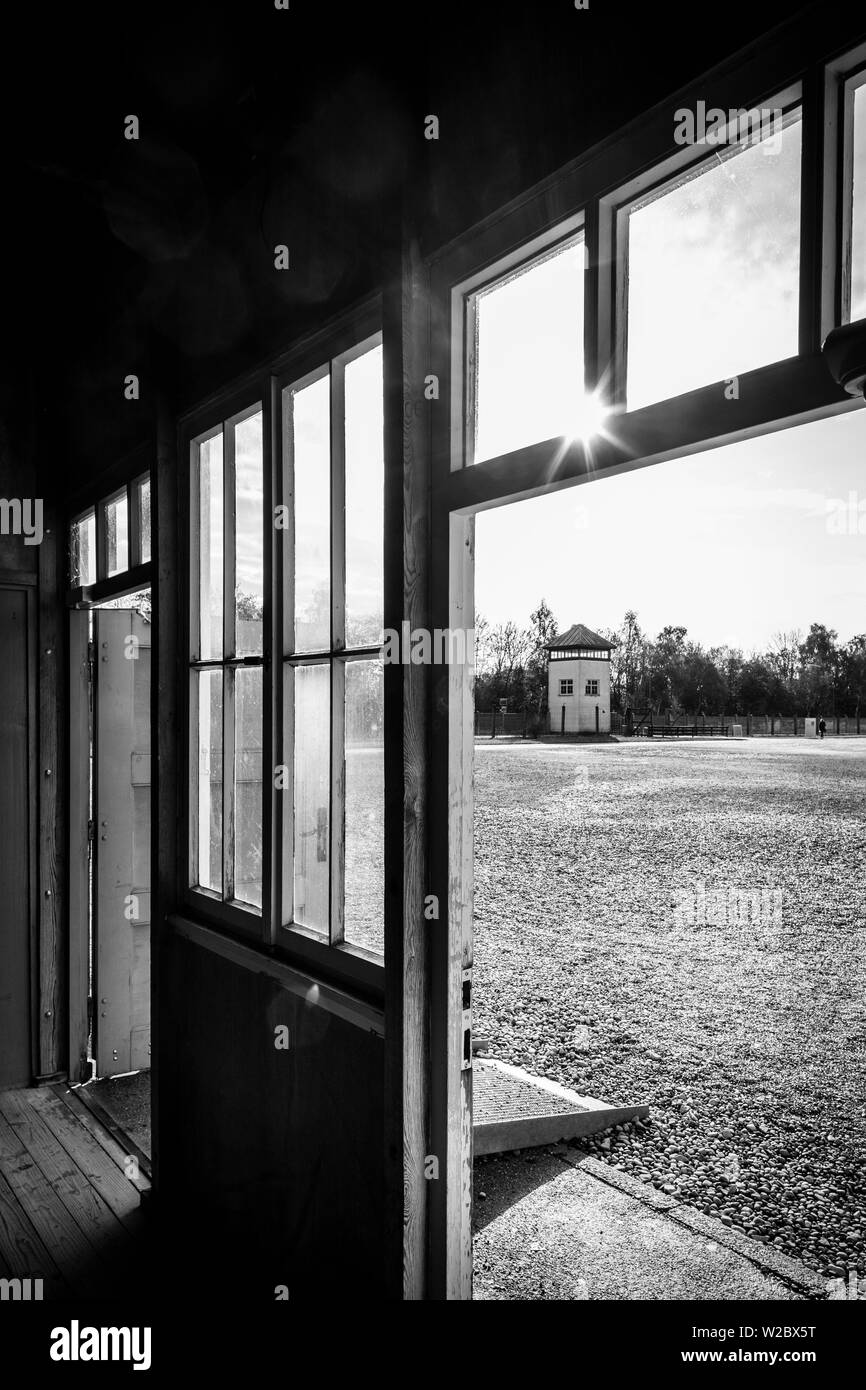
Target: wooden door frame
(80,603)
(79,855)
(774,397)
(25,582)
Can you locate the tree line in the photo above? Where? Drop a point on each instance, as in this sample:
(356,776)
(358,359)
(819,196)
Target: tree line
(803,674)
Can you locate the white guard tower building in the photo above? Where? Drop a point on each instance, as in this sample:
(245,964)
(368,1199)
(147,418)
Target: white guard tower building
(578,682)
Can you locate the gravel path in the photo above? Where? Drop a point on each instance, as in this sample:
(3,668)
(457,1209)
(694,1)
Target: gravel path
(623,947)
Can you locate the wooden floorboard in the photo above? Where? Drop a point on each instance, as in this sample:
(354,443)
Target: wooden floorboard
(82,1200)
(22,1252)
(85,1095)
(61,1236)
(93,1125)
(68,1213)
(121,1195)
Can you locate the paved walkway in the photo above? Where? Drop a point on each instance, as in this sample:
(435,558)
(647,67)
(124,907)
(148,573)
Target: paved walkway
(559,1225)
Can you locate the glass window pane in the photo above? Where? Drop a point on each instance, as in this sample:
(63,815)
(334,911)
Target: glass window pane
(365,492)
(311,451)
(117,535)
(858,228)
(713,269)
(365,805)
(144,516)
(210,546)
(208,870)
(82,551)
(312,781)
(529,354)
(248,785)
(249,542)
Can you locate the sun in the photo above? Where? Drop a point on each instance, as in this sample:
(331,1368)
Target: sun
(590,421)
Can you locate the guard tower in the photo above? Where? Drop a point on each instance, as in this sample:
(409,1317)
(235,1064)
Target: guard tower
(578,682)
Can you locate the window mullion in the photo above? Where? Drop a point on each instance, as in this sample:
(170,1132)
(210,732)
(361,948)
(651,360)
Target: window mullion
(133,523)
(338,641)
(228,783)
(271,668)
(338,506)
(101,542)
(229,640)
(286,871)
(283,626)
(338,803)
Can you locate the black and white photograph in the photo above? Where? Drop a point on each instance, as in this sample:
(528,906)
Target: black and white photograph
(432,679)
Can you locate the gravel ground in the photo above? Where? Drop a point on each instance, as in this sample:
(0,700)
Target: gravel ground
(622,948)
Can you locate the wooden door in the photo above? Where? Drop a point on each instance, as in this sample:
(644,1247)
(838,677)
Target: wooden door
(121,888)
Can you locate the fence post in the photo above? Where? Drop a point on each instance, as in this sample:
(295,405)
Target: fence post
(493,724)
(525,720)
(562,722)
(748,726)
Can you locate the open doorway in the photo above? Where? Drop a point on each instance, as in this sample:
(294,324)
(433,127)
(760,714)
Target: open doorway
(672,912)
(110,782)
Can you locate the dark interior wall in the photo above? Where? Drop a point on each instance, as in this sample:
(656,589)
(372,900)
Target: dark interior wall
(302,127)
(271,1160)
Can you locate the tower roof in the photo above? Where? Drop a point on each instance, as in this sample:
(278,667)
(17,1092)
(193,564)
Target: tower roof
(579,636)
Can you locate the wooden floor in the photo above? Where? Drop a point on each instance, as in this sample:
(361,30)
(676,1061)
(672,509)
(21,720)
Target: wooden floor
(70,1198)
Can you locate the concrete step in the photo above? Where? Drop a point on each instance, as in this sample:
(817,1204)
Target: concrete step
(514,1110)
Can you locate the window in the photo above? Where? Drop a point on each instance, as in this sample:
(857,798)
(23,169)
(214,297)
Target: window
(302,670)
(854,256)
(333,803)
(226,673)
(592,687)
(82,551)
(523,331)
(566,687)
(111,538)
(116,534)
(710,262)
(143,496)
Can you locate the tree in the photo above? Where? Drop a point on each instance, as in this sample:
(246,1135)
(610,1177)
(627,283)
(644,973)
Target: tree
(542,630)
(853,673)
(628,663)
(819,664)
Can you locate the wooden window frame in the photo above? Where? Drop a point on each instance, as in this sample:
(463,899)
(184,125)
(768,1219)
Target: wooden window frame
(351,966)
(844,76)
(138,573)
(795,391)
(359,963)
(245,917)
(614,216)
(516,260)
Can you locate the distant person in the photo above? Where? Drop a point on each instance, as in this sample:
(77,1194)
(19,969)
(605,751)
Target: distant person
(822,727)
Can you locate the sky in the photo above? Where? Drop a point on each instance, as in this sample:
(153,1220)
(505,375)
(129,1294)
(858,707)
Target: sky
(735,544)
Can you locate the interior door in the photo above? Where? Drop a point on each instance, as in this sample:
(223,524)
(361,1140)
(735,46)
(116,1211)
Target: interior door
(121,889)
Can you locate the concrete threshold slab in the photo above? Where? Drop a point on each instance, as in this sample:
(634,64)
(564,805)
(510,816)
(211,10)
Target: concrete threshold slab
(515,1110)
(563,1226)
